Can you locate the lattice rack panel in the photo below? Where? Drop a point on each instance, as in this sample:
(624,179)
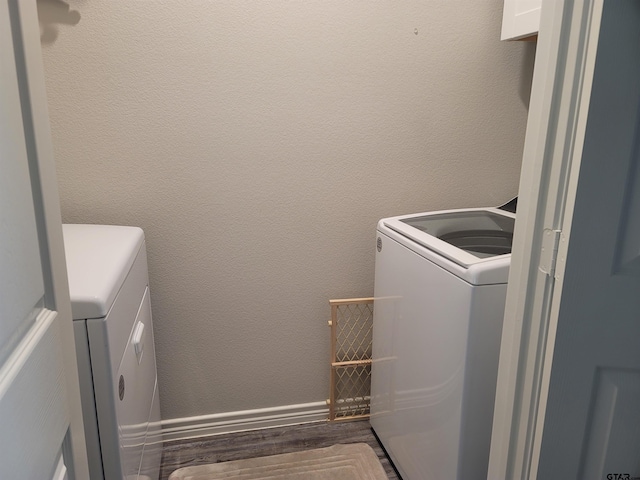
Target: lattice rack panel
(350,378)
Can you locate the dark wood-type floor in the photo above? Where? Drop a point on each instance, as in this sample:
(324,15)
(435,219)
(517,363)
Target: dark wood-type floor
(270,441)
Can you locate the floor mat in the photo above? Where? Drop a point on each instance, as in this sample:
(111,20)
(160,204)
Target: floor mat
(355,461)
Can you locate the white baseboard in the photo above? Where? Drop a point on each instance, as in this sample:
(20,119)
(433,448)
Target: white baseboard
(219,423)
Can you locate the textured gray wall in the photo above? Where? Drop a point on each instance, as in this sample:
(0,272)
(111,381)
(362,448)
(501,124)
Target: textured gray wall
(257,144)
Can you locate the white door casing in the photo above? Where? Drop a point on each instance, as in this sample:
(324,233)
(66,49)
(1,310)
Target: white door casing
(562,54)
(40,415)
(591,425)
(560,366)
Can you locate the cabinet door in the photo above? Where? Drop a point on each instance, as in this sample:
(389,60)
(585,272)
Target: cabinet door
(520,19)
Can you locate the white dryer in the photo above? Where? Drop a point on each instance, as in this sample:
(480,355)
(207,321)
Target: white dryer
(109,286)
(440,290)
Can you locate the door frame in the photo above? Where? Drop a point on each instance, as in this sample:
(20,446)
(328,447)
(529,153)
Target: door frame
(564,66)
(34,105)
(565,60)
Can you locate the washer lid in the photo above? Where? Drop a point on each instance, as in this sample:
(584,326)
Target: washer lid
(99,258)
(468,237)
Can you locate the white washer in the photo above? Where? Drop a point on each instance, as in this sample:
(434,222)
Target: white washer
(109,286)
(440,290)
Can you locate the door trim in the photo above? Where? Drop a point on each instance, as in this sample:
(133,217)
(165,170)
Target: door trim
(565,61)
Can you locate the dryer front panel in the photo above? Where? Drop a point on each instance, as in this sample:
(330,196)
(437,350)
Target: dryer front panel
(136,379)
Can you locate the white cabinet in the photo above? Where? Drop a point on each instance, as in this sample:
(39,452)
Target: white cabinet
(520,19)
